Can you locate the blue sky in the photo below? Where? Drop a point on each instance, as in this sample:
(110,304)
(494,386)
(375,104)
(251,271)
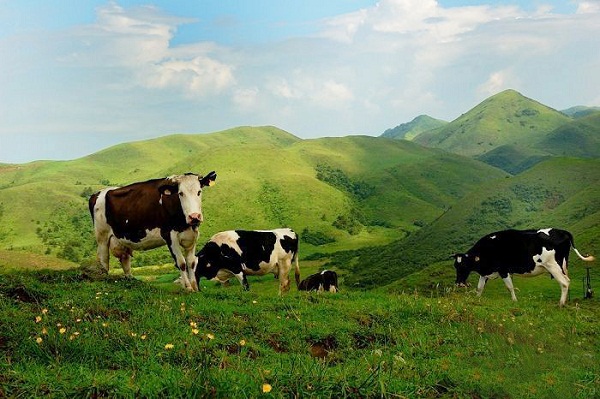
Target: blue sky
(78,76)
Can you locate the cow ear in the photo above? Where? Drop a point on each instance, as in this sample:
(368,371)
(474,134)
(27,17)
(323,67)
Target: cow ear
(209,179)
(167,189)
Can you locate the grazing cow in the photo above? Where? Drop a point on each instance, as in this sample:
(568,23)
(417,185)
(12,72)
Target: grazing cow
(327,280)
(151,214)
(524,252)
(237,253)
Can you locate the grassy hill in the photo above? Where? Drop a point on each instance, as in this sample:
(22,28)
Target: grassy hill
(409,130)
(507,118)
(580,138)
(339,193)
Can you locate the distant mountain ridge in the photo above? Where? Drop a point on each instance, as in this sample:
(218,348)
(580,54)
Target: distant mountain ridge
(418,125)
(512,132)
(580,111)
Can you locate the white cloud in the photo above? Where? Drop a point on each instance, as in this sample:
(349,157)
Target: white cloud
(588,7)
(497,81)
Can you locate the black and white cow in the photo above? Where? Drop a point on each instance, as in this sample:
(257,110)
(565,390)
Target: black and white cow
(237,253)
(523,252)
(151,214)
(327,280)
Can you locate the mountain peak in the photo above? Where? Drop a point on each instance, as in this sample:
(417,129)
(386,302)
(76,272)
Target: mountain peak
(409,130)
(504,118)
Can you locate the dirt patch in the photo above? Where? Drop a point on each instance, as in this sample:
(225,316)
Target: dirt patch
(323,348)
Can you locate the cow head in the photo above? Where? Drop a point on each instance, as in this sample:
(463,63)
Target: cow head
(212,258)
(464,265)
(188,190)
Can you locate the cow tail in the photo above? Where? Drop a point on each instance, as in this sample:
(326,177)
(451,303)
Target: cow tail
(588,258)
(91,205)
(296,269)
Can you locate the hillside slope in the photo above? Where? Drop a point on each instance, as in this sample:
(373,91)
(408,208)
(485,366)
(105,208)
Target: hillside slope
(507,118)
(339,193)
(559,192)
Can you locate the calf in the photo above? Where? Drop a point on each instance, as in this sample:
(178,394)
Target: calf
(237,253)
(325,281)
(151,214)
(524,252)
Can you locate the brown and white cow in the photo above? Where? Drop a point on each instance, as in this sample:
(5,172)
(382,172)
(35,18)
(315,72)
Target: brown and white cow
(522,252)
(237,253)
(148,215)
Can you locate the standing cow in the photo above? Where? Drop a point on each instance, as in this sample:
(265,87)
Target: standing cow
(524,252)
(151,214)
(237,253)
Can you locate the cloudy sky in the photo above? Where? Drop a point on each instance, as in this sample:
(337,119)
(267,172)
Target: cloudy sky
(79,76)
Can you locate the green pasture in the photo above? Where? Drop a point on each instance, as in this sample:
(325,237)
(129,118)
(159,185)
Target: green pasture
(63,336)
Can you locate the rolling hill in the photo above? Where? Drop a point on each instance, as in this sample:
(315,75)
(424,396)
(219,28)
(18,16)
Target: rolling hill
(409,130)
(339,193)
(507,118)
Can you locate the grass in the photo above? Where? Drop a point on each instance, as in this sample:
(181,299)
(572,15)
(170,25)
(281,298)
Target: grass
(127,338)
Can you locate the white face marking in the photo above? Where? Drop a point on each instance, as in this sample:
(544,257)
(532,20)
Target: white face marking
(458,259)
(190,196)
(493,237)
(545,231)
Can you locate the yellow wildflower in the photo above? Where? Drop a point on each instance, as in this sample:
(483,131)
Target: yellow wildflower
(44,311)
(39,340)
(62,330)
(195,331)
(266,388)
(169,346)
(242,342)
(38,319)
(210,336)
(143,336)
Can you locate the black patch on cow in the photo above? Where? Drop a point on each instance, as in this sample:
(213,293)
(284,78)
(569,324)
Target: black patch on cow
(289,244)
(213,257)
(256,246)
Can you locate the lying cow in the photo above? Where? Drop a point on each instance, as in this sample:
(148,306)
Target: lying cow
(151,214)
(526,252)
(237,253)
(327,280)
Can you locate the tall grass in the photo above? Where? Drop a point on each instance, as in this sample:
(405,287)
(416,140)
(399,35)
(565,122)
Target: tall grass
(63,336)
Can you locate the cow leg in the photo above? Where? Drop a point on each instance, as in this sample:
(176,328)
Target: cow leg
(243,280)
(125,261)
(481,285)
(103,251)
(284,267)
(191,262)
(509,284)
(562,280)
(181,264)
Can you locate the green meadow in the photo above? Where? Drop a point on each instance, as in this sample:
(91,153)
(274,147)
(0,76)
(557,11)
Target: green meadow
(63,336)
